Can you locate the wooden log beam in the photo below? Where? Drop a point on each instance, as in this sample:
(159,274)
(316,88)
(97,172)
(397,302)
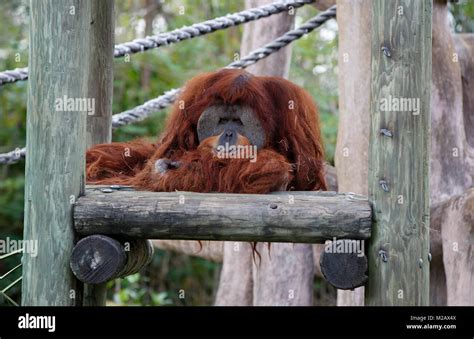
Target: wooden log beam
(399,153)
(302,217)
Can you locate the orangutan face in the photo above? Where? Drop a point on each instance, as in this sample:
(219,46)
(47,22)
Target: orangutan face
(230,124)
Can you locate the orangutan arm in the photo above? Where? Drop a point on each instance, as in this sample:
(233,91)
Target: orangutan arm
(117,162)
(202,171)
(270,172)
(190,171)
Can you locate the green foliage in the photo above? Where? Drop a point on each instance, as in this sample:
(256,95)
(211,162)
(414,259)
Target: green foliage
(133,291)
(463,15)
(189,281)
(11,200)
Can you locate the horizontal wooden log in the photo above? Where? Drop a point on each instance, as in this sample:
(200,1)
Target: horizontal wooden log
(302,217)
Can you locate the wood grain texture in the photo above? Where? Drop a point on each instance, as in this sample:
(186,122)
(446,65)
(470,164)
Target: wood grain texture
(100,88)
(100,83)
(351,158)
(312,217)
(344,271)
(213,250)
(457,233)
(452,157)
(58,66)
(97,259)
(398,251)
(464,45)
(452,149)
(263,31)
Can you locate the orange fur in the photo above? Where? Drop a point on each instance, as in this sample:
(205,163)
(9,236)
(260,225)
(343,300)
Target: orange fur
(291,159)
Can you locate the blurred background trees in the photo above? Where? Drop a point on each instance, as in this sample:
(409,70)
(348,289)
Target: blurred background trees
(146,76)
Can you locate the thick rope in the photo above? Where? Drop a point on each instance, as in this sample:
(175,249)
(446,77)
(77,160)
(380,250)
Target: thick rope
(12,156)
(209,26)
(180,34)
(143,111)
(14,75)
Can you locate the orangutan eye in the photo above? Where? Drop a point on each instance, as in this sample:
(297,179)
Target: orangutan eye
(223,121)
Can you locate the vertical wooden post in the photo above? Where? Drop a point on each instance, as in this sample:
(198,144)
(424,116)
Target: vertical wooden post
(351,158)
(100,89)
(399,153)
(100,85)
(60,70)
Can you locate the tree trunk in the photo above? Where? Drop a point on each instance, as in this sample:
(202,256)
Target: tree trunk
(450,171)
(152,8)
(452,164)
(464,44)
(457,232)
(285,275)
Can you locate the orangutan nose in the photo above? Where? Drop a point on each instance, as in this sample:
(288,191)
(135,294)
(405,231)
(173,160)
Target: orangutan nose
(228,137)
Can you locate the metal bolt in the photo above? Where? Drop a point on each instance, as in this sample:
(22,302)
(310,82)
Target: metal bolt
(420,262)
(385,186)
(273,206)
(386,51)
(386,132)
(429,256)
(383,255)
(115,187)
(106,190)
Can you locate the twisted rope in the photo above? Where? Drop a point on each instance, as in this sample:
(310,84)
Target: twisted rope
(14,75)
(285,39)
(209,26)
(180,34)
(143,111)
(12,156)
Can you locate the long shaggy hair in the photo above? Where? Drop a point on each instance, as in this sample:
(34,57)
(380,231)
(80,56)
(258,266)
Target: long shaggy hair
(291,158)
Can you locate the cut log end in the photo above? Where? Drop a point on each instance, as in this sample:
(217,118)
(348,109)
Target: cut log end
(97,258)
(344,271)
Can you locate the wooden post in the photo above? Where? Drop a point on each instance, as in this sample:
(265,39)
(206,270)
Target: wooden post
(351,157)
(61,66)
(399,153)
(100,85)
(56,147)
(100,88)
